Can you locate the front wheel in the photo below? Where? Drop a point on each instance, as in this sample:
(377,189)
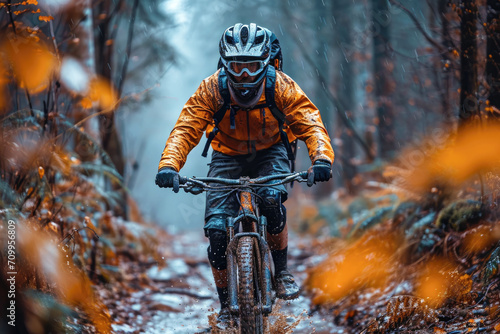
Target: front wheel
(251,319)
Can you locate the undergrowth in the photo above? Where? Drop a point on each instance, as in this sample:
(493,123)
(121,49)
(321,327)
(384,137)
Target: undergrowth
(423,252)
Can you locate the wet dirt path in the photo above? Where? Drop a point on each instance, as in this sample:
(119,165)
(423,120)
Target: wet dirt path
(180,296)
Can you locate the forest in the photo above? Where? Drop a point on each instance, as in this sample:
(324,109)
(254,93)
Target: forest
(405,238)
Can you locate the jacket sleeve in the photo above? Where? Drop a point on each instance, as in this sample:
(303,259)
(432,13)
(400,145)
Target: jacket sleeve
(194,118)
(303,118)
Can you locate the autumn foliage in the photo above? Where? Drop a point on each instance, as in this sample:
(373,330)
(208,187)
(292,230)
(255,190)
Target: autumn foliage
(471,151)
(363,263)
(435,248)
(57,184)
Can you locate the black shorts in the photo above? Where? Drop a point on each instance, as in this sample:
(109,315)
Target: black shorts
(273,160)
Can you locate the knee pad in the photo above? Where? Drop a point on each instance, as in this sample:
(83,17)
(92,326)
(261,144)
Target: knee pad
(215,222)
(217,249)
(274,210)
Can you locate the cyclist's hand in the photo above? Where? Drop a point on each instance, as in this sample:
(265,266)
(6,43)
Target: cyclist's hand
(166,177)
(322,170)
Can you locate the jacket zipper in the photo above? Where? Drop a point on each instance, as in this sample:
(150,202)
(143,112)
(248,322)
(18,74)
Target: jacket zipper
(248,132)
(263,113)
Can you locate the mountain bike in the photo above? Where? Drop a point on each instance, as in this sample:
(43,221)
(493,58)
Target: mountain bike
(250,269)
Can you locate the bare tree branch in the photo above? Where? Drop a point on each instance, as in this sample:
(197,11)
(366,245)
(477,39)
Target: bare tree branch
(129,47)
(419,26)
(339,106)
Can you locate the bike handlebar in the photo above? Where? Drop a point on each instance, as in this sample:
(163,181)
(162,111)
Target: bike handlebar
(201,182)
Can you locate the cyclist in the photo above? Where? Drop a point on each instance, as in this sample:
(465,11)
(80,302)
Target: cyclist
(248,143)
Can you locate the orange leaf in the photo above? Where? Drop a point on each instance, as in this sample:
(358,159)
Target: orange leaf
(102,92)
(89,224)
(41,172)
(86,103)
(32,63)
(479,238)
(53,227)
(433,282)
(19,12)
(366,262)
(473,150)
(45,18)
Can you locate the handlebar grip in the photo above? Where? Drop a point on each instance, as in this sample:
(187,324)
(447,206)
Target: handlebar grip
(304,175)
(183,179)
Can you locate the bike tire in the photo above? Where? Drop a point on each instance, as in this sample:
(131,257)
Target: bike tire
(257,282)
(250,321)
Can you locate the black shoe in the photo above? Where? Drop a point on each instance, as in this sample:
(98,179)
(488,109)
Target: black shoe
(224,319)
(286,288)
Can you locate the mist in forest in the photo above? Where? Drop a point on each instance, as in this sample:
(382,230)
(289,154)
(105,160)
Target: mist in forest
(405,237)
(148,128)
(330,42)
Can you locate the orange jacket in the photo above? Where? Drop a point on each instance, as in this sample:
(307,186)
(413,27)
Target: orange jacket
(255,129)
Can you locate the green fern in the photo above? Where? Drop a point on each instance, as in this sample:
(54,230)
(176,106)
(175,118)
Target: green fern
(55,315)
(84,138)
(23,118)
(420,224)
(92,168)
(460,214)
(373,218)
(8,196)
(492,265)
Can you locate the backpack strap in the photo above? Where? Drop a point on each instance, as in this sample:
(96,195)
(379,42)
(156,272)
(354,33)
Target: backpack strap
(219,114)
(270,103)
(277,113)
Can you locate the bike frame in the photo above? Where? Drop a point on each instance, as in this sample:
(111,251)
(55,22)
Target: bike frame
(254,226)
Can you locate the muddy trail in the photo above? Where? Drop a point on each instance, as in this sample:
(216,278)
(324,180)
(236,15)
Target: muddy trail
(176,294)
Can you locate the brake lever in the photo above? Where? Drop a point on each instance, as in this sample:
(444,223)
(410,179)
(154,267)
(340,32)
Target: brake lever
(193,190)
(177,181)
(310,176)
(175,185)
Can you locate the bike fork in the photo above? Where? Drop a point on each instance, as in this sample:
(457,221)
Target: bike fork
(264,268)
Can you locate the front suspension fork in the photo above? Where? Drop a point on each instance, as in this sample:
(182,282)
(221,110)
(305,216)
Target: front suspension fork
(265,271)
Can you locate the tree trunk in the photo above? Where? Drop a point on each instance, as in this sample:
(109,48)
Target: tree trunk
(493,56)
(92,125)
(383,82)
(342,11)
(111,141)
(318,17)
(107,68)
(468,60)
(104,49)
(448,74)
(320,54)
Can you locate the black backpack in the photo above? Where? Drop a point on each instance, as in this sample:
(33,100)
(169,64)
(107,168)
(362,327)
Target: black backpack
(277,64)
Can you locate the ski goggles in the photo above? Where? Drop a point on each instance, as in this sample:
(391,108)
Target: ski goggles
(252,68)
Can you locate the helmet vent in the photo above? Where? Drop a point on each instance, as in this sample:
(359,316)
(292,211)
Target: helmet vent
(259,39)
(244,34)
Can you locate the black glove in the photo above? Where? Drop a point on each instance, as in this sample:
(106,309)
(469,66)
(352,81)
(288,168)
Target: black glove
(322,170)
(166,177)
